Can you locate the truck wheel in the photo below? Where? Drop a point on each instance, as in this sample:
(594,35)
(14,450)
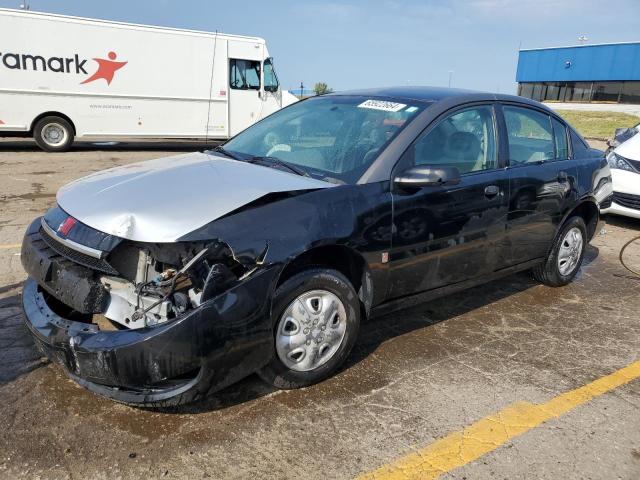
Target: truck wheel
(53,134)
(316,321)
(566,256)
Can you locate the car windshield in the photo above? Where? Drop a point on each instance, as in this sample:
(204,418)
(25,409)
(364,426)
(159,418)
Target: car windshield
(333,137)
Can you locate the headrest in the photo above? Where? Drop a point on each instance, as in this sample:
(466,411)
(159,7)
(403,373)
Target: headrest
(463,146)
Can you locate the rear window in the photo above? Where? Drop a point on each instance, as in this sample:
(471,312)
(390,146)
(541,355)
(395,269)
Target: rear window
(580,147)
(560,138)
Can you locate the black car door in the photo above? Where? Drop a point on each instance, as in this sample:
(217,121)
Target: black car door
(542,180)
(444,234)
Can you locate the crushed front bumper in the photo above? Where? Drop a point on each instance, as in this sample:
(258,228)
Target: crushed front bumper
(208,348)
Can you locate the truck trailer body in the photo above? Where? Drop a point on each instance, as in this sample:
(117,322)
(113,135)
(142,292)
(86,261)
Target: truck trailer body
(63,77)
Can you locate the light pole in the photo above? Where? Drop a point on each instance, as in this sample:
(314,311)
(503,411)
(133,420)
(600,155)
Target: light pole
(301,89)
(450,77)
(25,6)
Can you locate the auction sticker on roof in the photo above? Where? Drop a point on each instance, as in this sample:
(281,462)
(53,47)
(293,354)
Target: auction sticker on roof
(382,105)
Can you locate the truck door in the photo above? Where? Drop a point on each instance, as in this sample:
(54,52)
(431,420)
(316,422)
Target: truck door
(245,103)
(272,96)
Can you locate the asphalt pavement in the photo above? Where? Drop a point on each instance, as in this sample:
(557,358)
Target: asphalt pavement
(510,380)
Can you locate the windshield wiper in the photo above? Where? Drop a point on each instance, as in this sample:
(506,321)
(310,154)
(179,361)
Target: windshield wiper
(272,161)
(226,152)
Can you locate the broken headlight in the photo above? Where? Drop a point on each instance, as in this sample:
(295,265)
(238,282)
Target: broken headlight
(163,281)
(616,161)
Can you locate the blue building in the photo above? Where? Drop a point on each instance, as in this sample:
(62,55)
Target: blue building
(585,73)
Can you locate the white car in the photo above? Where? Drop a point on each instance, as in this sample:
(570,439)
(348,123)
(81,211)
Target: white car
(625,174)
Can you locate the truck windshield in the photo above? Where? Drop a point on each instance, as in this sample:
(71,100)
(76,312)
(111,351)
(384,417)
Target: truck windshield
(331,137)
(270,77)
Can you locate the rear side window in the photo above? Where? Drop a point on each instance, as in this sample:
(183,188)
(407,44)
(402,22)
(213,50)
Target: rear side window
(560,137)
(244,74)
(530,135)
(580,147)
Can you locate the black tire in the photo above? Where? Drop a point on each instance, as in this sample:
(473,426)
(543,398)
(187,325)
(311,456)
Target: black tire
(549,272)
(276,372)
(58,125)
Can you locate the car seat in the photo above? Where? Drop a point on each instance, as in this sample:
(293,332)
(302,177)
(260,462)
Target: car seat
(463,150)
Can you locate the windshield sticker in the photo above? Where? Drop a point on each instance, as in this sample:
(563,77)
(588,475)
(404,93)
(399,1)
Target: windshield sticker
(382,105)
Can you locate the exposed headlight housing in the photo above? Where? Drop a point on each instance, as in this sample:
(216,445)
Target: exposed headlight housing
(616,161)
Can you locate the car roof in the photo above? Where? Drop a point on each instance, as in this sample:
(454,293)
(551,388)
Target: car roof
(425,94)
(436,94)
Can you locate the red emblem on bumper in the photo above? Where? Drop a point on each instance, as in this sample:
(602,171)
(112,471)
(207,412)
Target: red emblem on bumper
(66,226)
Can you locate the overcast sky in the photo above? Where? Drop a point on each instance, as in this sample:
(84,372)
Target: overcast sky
(360,43)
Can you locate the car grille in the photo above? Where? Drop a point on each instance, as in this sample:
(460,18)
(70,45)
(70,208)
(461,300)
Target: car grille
(627,200)
(77,257)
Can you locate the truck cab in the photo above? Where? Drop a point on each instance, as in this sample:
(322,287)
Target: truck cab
(254,88)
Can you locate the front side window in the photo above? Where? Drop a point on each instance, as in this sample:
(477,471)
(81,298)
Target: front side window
(332,137)
(244,74)
(530,135)
(465,140)
(270,77)
(560,137)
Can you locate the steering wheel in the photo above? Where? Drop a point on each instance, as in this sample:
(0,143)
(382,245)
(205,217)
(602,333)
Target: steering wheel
(280,147)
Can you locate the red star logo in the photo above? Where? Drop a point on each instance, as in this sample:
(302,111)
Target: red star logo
(106,69)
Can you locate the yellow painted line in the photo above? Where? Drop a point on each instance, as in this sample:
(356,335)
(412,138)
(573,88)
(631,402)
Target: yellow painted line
(460,448)
(10,246)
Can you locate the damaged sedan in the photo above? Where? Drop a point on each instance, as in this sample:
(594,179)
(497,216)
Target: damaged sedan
(157,283)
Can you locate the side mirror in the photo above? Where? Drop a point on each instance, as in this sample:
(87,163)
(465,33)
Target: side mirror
(427,176)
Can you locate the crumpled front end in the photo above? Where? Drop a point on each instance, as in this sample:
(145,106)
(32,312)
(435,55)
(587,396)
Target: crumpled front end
(147,324)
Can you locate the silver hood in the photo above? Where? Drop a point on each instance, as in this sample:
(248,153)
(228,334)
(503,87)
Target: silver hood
(162,200)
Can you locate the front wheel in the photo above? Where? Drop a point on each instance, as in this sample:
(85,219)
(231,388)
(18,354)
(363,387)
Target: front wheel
(566,255)
(53,134)
(316,321)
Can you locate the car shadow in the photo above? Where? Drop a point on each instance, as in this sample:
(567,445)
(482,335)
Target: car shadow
(18,353)
(590,254)
(373,333)
(627,223)
(19,356)
(28,145)
(380,329)
(633,226)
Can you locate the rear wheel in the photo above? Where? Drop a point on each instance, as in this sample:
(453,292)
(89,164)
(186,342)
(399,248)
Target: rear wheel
(316,321)
(566,256)
(53,134)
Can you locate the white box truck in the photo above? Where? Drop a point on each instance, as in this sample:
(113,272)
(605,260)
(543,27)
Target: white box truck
(63,77)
